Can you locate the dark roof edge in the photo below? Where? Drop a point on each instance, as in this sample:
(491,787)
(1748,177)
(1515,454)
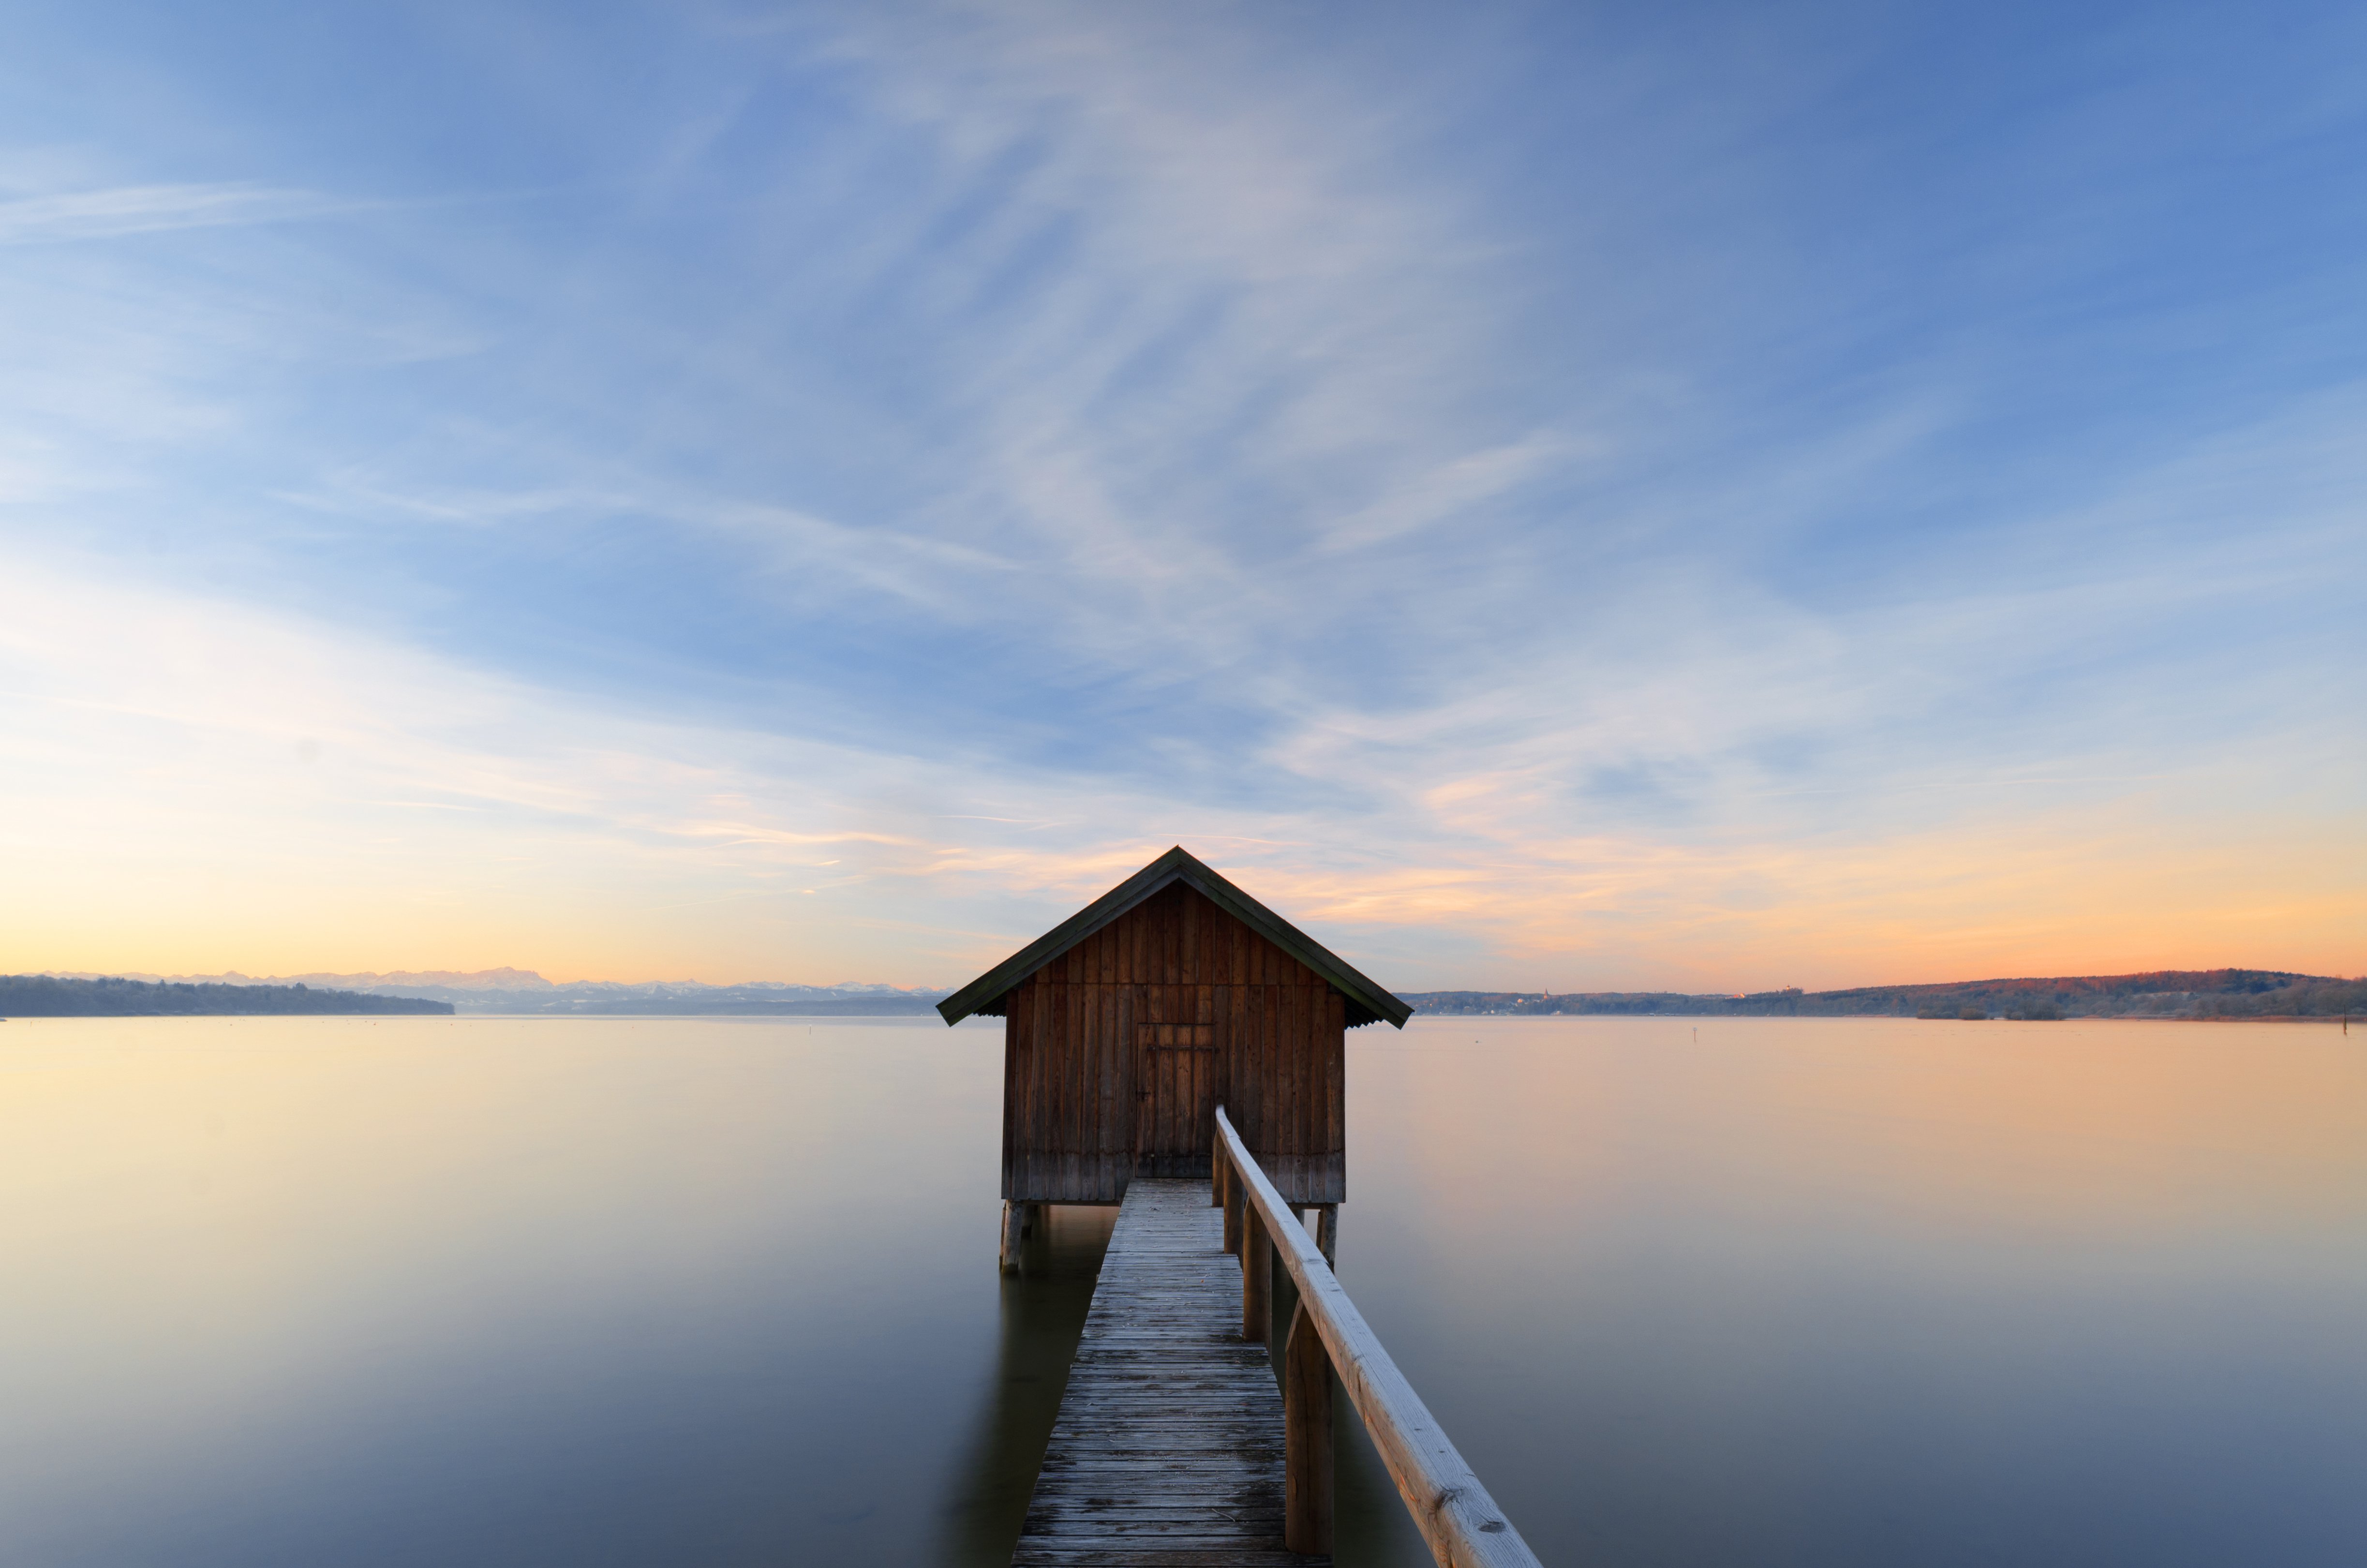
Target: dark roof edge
(989,986)
(1365,998)
(1344,976)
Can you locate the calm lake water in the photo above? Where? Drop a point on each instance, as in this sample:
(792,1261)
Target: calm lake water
(720,1293)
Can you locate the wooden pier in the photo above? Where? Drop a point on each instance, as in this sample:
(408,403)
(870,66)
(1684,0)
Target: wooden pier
(1178,1445)
(1168,1445)
(1152,1041)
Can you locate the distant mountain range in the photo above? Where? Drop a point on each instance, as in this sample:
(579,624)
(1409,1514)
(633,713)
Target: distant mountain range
(518,991)
(2170,993)
(675,999)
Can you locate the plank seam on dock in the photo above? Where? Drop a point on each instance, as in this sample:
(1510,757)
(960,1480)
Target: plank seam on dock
(1167,1451)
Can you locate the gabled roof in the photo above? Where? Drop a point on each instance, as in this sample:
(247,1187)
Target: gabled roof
(1367,1002)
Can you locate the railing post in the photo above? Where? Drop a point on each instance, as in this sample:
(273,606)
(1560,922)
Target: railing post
(1306,1437)
(1216,1176)
(1257,1277)
(1461,1523)
(1236,1204)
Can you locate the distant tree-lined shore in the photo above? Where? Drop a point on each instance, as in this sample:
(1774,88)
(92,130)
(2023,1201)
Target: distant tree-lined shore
(2165,993)
(47,997)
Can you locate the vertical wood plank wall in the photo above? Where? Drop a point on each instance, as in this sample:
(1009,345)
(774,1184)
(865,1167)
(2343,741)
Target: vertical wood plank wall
(1070,1054)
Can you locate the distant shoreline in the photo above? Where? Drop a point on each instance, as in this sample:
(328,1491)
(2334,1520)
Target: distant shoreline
(2230,994)
(2337,1018)
(2200,996)
(45,997)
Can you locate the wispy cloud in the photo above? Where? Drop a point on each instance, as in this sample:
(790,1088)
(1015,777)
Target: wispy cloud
(1547,506)
(69,216)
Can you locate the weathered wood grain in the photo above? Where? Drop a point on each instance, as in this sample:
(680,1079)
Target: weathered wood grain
(1168,1449)
(1118,1047)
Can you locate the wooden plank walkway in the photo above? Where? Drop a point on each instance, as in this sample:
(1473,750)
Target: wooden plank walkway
(1167,1449)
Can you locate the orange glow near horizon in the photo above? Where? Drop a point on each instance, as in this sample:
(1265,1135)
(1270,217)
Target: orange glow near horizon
(1574,917)
(205,792)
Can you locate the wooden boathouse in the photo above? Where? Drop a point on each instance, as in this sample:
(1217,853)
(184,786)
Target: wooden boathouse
(1178,1049)
(1128,1023)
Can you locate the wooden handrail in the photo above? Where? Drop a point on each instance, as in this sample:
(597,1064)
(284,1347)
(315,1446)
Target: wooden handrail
(1461,1522)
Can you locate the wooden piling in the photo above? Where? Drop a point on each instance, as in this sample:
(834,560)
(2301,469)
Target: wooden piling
(1013,1230)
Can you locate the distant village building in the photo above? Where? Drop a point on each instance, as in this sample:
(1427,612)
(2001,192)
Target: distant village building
(1131,1022)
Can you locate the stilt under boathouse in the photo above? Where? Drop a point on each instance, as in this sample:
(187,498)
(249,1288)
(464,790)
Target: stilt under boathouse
(1130,1023)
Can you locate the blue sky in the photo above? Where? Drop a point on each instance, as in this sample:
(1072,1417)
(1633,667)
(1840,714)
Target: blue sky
(1586,497)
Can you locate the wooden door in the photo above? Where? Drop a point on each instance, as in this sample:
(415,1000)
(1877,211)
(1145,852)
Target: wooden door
(1176,1090)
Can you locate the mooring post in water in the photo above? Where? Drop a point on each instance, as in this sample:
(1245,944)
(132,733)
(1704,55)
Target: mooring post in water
(1327,1232)
(1020,1221)
(1012,1226)
(1306,1437)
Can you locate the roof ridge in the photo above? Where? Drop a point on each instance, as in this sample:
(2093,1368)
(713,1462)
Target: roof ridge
(1369,1003)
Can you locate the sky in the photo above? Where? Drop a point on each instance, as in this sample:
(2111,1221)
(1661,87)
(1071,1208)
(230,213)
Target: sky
(1545,496)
